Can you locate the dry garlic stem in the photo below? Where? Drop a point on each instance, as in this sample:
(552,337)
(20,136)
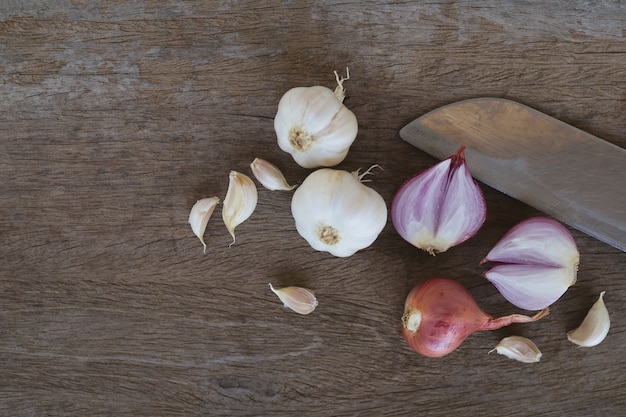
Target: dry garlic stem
(269,175)
(519,348)
(240,202)
(340,92)
(300,300)
(594,327)
(199,216)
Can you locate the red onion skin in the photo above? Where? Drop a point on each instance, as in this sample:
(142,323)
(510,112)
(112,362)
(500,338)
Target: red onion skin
(449,314)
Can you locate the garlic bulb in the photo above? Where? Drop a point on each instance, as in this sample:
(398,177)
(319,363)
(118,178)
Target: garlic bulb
(240,201)
(314,126)
(298,299)
(336,213)
(199,216)
(535,263)
(519,348)
(269,175)
(594,327)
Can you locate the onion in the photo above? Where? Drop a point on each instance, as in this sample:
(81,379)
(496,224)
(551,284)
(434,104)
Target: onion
(534,263)
(439,314)
(440,207)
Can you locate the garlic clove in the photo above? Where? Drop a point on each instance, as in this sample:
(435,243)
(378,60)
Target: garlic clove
(440,207)
(240,201)
(269,175)
(199,216)
(595,326)
(519,348)
(298,299)
(336,213)
(314,126)
(536,262)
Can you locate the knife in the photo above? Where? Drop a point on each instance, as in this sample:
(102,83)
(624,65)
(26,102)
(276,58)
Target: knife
(568,174)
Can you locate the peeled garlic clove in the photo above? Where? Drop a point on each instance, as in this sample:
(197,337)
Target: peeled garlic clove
(199,216)
(269,175)
(440,207)
(536,262)
(518,348)
(300,300)
(336,213)
(240,202)
(594,327)
(314,126)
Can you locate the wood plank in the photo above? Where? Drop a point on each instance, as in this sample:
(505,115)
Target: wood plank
(116,116)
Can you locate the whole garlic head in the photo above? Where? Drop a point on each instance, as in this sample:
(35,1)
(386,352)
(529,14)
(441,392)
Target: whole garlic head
(336,213)
(314,126)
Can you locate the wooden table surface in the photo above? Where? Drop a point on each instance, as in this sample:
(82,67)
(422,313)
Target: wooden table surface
(117,115)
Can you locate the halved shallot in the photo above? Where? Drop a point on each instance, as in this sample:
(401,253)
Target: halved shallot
(439,207)
(535,263)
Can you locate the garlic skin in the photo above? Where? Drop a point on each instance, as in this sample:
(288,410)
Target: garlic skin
(440,207)
(298,299)
(314,126)
(199,216)
(269,175)
(334,212)
(536,262)
(595,326)
(519,348)
(240,201)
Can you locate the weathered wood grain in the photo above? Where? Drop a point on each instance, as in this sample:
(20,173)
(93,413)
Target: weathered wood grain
(116,116)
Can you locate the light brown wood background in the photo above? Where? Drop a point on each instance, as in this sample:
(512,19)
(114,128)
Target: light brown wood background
(116,116)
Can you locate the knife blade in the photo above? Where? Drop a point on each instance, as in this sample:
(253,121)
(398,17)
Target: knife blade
(561,170)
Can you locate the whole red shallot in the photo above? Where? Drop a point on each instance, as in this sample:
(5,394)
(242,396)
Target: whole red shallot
(439,314)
